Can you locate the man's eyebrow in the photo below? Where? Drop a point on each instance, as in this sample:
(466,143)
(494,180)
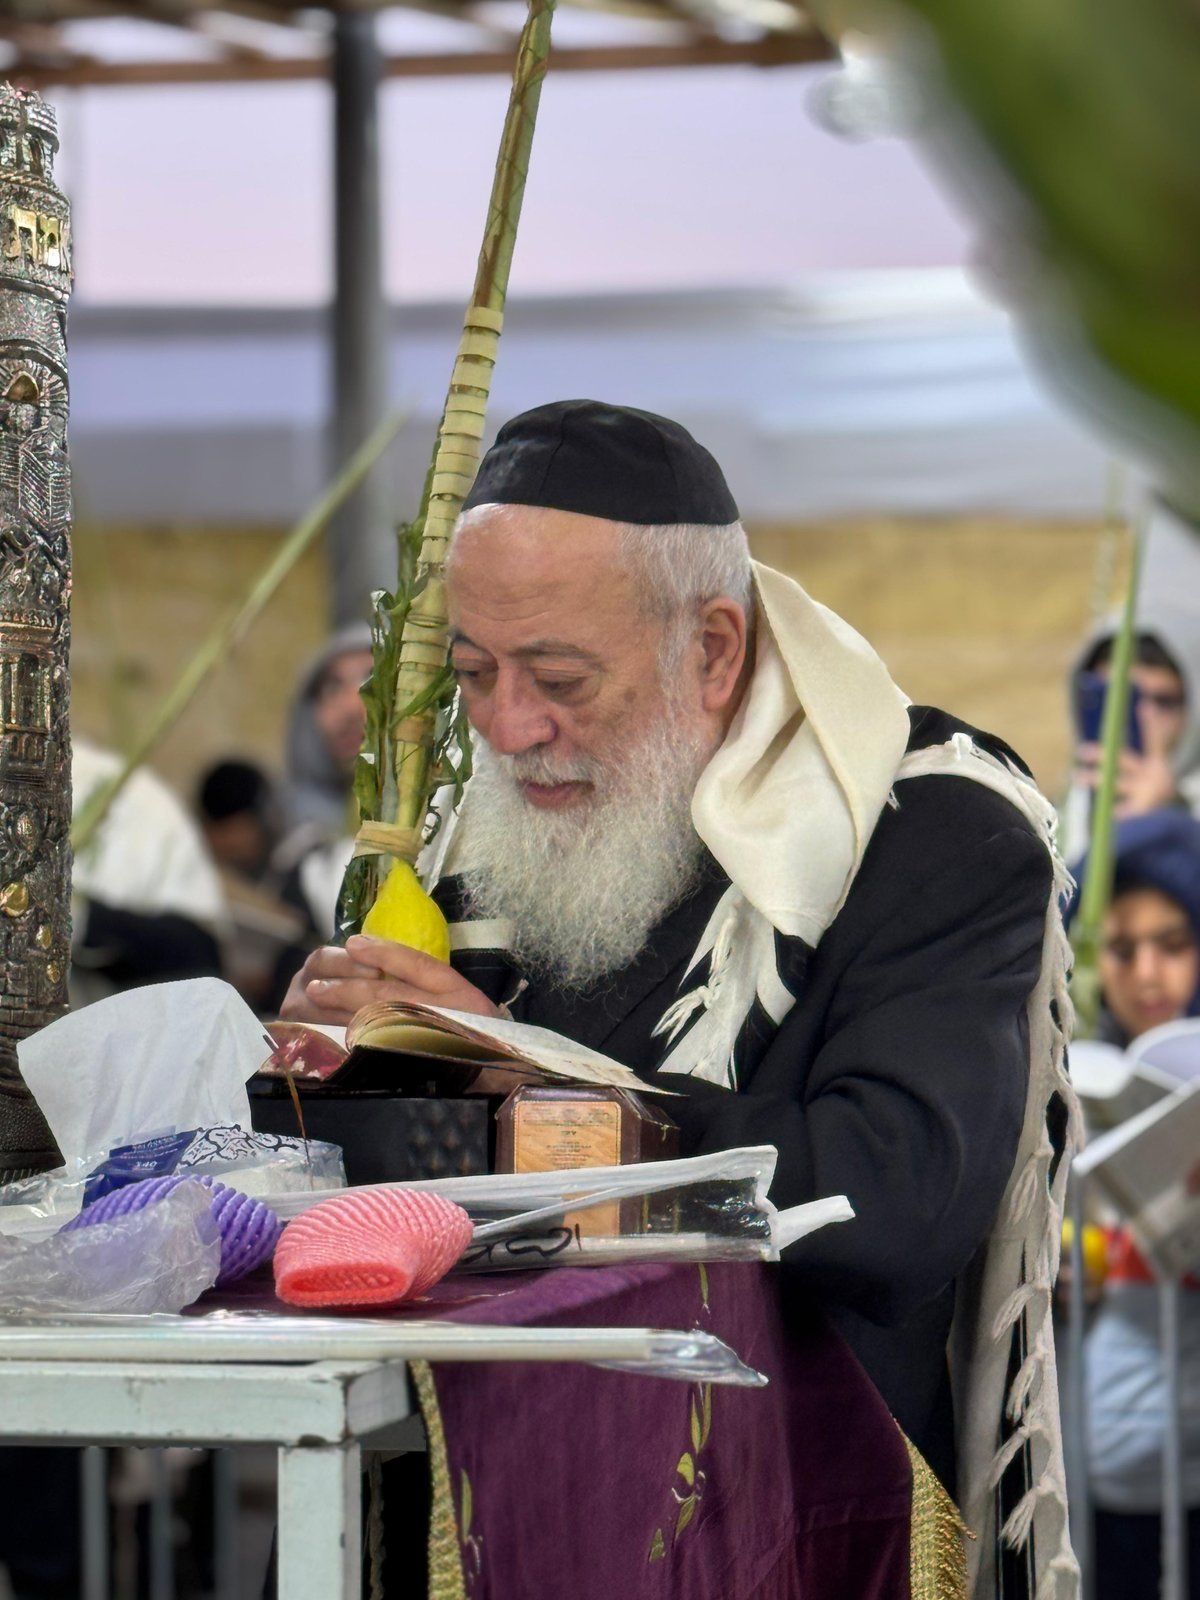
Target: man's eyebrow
(535,649)
(557,647)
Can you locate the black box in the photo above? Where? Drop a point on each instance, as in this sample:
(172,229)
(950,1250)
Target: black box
(384,1137)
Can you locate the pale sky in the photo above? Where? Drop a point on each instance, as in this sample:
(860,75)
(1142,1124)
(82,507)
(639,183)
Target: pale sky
(639,180)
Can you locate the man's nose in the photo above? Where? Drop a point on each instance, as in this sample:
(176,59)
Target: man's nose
(515,720)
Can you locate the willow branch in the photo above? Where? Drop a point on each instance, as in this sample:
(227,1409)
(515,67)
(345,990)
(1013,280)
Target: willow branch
(1096,892)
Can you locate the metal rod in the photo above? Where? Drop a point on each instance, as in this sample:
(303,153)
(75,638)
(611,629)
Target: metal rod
(93,1472)
(1174,1513)
(225,1524)
(162,1553)
(361,539)
(1078,1487)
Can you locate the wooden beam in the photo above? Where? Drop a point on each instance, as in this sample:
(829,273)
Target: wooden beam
(776,50)
(171,13)
(43,45)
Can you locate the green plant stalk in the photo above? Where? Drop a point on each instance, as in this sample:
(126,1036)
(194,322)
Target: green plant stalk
(1096,892)
(232,629)
(424,645)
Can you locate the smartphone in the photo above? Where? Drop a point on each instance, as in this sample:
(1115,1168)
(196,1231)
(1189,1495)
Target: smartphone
(1090,693)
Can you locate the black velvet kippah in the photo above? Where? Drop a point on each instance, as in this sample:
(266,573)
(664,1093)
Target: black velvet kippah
(603,461)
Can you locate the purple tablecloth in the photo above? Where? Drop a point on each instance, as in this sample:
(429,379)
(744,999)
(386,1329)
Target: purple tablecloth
(567,1481)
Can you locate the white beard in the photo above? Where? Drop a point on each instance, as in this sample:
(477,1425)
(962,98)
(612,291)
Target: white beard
(584,887)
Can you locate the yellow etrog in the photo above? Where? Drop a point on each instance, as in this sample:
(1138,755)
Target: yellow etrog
(404,913)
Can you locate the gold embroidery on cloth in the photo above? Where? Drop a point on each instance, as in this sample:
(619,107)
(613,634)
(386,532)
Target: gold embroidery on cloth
(446,1580)
(688,1468)
(937,1550)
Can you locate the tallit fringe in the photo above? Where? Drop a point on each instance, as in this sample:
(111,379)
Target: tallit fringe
(1025,1386)
(702,1025)
(1017,1528)
(1020,1300)
(1032,1216)
(1039,1205)
(1061,1577)
(1008,1452)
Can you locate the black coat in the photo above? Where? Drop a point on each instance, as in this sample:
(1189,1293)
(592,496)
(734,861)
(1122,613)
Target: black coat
(898,1078)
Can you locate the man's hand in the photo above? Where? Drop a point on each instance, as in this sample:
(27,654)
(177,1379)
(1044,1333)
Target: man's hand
(333,984)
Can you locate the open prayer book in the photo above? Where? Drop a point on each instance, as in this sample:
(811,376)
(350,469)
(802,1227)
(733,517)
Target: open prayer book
(1116,1084)
(459,1044)
(1149,1167)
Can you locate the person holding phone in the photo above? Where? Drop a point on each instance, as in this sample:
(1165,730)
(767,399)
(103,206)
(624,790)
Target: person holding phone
(1149,975)
(1159,765)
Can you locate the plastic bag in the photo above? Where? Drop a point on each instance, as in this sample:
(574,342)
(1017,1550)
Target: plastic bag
(701,1208)
(158,1259)
(255,1163)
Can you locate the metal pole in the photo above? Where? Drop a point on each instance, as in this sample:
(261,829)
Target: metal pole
(1174,1516)
(93,1467)
(162,1541)
(225,1524)
(1078,1487)
(361,542)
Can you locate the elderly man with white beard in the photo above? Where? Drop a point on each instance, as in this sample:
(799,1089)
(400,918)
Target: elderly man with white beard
(708,835)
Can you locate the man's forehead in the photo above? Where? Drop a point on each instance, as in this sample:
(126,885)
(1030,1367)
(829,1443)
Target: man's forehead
(488,527)
(513,552)
(538,583)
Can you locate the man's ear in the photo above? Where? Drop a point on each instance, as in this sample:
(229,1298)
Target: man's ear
(723,638)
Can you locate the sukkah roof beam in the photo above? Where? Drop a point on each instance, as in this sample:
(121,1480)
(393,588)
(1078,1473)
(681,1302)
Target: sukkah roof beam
(199,15)
(776,50)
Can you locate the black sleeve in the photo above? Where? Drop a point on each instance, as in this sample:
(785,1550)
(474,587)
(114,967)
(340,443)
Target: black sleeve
(130,948)
(914,1100)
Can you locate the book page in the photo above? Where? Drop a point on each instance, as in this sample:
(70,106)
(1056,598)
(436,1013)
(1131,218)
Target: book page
(491,1039)
(1150,1168)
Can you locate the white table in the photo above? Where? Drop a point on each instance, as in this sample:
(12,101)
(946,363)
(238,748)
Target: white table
(319,1389)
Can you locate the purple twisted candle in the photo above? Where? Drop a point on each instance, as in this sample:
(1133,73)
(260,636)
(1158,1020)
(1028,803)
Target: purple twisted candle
(248,1228)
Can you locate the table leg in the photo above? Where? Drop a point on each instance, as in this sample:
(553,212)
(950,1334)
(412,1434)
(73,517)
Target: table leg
(162,1536)
(94,1469)
(226,1571)
(320,1522)
(1174,1517)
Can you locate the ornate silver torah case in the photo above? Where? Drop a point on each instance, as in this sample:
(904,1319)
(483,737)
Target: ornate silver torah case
(35,591)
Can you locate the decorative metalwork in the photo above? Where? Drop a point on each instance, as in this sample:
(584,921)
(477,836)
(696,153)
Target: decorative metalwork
(35,590)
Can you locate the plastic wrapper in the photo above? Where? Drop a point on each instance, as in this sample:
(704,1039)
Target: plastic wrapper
(150,1082)
(702,1208)
(159,1259)
(692,1357)
(255,1163)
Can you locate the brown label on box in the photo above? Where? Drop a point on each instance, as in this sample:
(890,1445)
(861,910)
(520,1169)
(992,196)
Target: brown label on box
(552,1135)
